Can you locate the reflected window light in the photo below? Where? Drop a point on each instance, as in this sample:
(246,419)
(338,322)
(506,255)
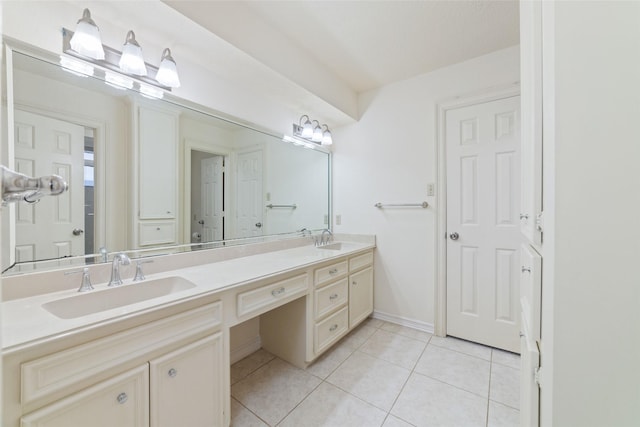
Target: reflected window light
(151,92)
(118,81)
(76,68)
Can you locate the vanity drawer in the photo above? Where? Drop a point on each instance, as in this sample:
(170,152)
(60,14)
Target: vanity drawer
(157,232)
(325,275)
(331,297)
(271,295)
(360,261)
(330,330)
(62,373)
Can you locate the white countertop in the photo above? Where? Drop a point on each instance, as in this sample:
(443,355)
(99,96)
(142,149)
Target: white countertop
(25,321)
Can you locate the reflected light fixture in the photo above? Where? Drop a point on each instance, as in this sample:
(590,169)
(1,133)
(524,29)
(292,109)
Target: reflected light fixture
(86,39)
(312,131)
(118,80)
(326,136)
(317,132)
(168,73)
(78,68)
(131,61)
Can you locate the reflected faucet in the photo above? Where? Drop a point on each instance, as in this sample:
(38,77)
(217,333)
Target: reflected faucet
(118,259)
(329,237)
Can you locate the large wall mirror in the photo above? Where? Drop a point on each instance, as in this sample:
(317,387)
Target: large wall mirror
(145,175)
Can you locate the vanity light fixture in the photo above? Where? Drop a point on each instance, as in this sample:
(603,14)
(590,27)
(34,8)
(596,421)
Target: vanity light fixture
(168,73)
(128,63)
(86,40)
(319,134)
(326,136)
(131,61)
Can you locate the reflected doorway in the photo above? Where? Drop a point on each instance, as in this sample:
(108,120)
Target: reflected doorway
(207,197)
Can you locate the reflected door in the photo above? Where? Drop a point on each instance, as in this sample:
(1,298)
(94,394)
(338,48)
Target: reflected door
(249,196)
(483,241)
(53,227)
(212,170)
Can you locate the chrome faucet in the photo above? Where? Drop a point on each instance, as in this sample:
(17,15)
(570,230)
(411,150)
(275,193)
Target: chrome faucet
(118,259)
(329,237)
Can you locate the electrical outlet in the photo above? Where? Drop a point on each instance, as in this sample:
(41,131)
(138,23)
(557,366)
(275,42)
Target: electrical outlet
(431,189)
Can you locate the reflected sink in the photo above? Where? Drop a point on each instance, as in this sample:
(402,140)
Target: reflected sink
(96,301)
(332,246)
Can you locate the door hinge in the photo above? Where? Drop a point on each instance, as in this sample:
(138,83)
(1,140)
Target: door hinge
(537,376)
(540,222)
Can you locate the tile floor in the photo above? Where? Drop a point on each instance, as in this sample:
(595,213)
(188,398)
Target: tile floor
(380,374)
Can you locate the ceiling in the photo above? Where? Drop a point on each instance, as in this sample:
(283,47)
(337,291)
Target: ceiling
(358,45)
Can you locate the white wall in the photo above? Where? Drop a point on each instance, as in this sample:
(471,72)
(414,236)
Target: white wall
(591,283)
(390,156)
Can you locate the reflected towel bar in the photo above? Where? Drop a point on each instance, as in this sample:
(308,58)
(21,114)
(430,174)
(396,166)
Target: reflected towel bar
(282,206)
(401,205)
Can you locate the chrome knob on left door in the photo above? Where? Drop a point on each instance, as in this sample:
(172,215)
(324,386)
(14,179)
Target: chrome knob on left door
(77,231)
(454,236)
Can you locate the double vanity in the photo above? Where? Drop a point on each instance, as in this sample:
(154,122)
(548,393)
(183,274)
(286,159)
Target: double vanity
(157,352)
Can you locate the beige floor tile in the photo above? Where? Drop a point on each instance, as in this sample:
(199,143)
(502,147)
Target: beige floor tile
(406,331)
(505,358)
(329,361)
(392,421)
(467,347)
(371,379)
(249,364)
(242,417)
(394,348)
(358,336)
(458,369)
(505,385)
(502,416)
(274,390)
(328,406)
(374,323)
(428,402)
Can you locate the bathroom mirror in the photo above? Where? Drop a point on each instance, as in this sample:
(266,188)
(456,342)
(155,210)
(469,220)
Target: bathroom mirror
(146,175)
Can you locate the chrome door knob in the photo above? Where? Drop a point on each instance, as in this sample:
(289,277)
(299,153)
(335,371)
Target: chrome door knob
(454,236)
(258,225)
(77,231)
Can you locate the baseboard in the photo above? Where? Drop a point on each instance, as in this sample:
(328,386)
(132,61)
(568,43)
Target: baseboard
(245,350)
(403,321)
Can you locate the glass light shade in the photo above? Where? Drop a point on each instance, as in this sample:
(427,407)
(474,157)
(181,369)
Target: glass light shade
(168,73)
(307,128)
(86,39)
(326,136)
(131,61)
(317,133)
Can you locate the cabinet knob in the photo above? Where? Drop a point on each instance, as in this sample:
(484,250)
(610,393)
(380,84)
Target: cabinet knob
(526,269)
(334,271)
(157,228)
(333,327)
(172,372)
(332,297)
(122,398)
(277,292)
(354,282)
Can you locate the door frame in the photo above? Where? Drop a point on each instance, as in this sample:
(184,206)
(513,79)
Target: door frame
(205,147)
(481,97)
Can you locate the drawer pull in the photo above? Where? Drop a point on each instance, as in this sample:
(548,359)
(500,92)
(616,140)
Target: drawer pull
(277,292)
(332,297)
(122,398)
(172,372)
(526,269)
(333,271)
(354,282)
(333,327)
(157,228)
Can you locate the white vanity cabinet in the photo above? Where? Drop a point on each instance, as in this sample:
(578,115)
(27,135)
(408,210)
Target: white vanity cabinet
(155,174)
(360,288)
(164,373)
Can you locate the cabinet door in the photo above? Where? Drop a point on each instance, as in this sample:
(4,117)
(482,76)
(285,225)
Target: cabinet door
(186,386)
(157,154)
(122,401)
(360,296)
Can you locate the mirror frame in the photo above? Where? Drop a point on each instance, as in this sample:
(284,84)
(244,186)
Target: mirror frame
(11,46)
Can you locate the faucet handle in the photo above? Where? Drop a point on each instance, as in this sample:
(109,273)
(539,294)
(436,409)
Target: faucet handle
(139,274)
(86,280)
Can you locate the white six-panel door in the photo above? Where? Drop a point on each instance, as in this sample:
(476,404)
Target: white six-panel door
(483,240)
(45,146)
(250,202)
(212,197)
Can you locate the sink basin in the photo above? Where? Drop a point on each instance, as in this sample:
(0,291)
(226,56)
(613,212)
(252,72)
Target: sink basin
(96,301)
(332,246)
